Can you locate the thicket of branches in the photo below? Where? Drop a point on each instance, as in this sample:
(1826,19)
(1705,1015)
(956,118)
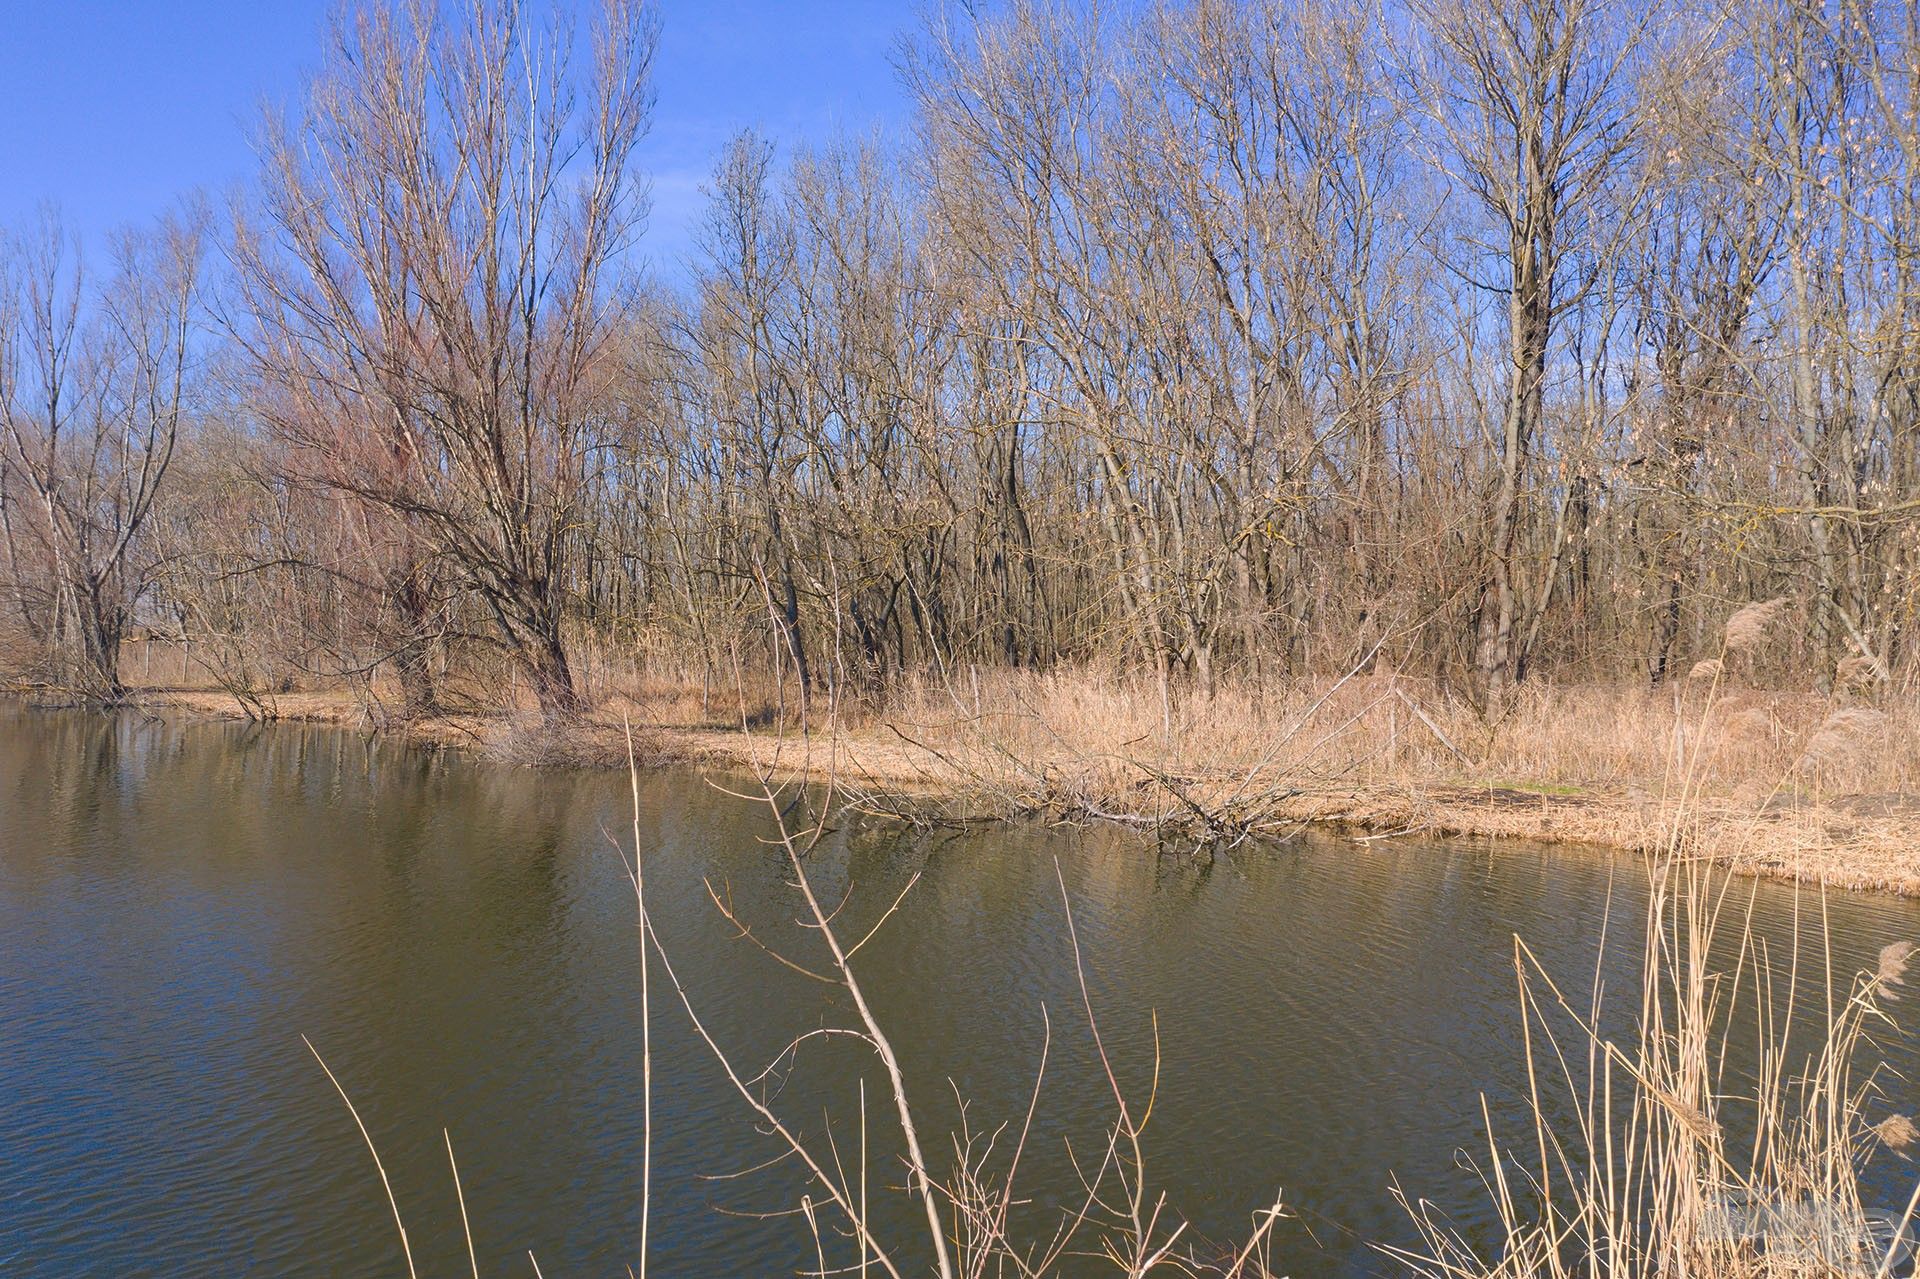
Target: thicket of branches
(1208,339)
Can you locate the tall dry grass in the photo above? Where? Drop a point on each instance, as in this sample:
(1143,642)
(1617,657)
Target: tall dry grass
(1677,1162)
(1099,741)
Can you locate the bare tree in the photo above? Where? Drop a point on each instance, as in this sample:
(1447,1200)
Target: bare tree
(1202,341)
(430,289)
(1529,105)
(94,386)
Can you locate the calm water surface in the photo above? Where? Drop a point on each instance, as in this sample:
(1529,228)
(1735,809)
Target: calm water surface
(180,904)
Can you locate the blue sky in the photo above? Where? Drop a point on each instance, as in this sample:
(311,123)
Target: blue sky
(111,111)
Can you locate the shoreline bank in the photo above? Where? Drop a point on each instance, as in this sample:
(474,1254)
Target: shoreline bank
(1861,841)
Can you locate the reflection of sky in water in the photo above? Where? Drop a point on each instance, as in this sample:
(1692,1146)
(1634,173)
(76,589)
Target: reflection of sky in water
(179,905)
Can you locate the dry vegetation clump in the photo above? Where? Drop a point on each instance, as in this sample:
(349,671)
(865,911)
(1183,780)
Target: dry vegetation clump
(1843,739)
(1751,725)
(545,741)
(1748,626)
(1677,1163)
(1860,673)
(1891,970)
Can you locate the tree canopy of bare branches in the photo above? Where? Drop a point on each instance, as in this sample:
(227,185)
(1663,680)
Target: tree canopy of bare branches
(1201,339)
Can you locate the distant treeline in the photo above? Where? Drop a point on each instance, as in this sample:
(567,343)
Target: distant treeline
(1229,338)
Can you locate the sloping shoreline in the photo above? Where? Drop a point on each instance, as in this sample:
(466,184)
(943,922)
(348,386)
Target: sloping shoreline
(1869,842)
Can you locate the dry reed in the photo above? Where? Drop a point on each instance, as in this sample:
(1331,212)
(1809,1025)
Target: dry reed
(1747,628)
(1650,1181)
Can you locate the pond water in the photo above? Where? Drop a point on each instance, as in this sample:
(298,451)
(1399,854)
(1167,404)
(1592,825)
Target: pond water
(180,904)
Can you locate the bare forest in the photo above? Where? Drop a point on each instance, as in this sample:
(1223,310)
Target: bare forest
(1206,417)
(1203,348)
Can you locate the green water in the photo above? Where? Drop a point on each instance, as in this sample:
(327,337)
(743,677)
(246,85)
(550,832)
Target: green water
(179,905)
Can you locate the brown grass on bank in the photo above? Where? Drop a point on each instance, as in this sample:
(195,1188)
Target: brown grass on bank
(1791,784)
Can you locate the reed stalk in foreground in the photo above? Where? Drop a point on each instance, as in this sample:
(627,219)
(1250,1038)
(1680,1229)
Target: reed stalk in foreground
(1113,1212)
(1678,1163)
(646,1016)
